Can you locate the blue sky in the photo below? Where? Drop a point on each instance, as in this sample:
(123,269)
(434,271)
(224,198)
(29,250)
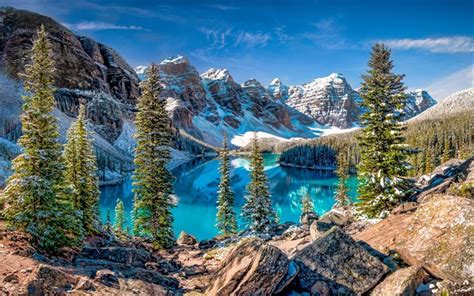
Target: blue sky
(432,41)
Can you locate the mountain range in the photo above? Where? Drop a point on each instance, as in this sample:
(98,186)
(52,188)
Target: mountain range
(202,107)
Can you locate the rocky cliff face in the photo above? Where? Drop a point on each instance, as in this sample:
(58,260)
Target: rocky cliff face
(329,100)
(332,101)
(87,72)
(208,105)
(202,106)
(417,102)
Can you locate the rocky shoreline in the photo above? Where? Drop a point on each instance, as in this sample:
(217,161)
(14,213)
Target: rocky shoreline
(424,247)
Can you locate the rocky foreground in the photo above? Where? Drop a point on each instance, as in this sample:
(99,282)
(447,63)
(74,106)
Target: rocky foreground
(425,247)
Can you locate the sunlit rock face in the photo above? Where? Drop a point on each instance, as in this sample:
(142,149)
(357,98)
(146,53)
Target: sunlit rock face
(417,102)
(329,100)
(212,104)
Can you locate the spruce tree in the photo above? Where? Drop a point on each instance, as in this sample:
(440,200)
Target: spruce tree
(257,211)
(307,205)
(35,193)
(342,198)
(119,217)
(383,153)
(108,222)
(81,172)
(152,181)
(226,218)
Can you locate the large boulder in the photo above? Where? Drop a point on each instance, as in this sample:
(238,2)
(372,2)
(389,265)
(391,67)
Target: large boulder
(47,279)
(335,262)
(338,216)
(440,238)
(437,236)
(250,268)
(402,282)
(186,239)
(308,218)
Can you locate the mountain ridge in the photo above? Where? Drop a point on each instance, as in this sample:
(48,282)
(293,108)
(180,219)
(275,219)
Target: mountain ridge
(202,106)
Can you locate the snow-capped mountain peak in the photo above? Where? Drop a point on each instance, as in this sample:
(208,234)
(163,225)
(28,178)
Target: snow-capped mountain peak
(217,74)
(418,101)
(278,89)
(177,59)
(330,100)
(140,69)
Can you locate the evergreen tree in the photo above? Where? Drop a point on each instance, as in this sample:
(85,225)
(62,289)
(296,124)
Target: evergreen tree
(108,222)
(119,217)
(257,211)
(342,197)
(226,218)
(307,205)
(35,193)
(81,172)
(383,153)
(152,181)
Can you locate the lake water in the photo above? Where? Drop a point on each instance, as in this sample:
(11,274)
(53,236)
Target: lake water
(196,191)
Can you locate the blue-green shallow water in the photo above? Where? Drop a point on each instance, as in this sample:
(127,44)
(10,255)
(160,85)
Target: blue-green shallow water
(196,190)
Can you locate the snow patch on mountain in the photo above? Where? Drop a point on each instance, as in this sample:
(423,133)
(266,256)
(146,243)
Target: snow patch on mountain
(329,100)
(278,89)
(417,101)
(462,101)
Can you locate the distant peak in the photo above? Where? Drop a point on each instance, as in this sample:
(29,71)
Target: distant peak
(276,81)
(178,59)
(217,74)
(140,69)
(252,82)
(336,75)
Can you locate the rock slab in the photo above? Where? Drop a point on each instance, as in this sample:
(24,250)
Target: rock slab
(440,236)
(402,282)
(339,263)
(251,268)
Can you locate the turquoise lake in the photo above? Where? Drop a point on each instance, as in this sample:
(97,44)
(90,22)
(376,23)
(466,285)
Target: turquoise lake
(196,192)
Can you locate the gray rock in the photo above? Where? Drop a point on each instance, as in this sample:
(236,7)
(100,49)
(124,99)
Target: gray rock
(107,278)
(318,228)
(403,282)
(124,255)
(46,279)
(308,218)
(337,260)
(337,217)
(186,239)
(250,268)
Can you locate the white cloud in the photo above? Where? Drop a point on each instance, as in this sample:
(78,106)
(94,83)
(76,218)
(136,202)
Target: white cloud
(96,26)
(251,40)
(444,44)
(221,38)
(452,83)
(224,7)
(281,35)
(327,35)
(217,37)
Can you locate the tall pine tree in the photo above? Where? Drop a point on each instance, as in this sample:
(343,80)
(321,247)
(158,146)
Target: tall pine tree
(257,211)
(226,219)
(81,172)
(152,181)
(119,217)
(342,198)
(383,153)
(35,193)
(307,205)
